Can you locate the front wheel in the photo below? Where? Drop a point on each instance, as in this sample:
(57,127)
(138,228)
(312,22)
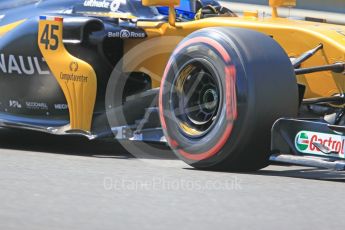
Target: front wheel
(222,90)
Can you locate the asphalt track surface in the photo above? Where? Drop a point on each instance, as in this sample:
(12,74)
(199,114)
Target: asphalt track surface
(49,182)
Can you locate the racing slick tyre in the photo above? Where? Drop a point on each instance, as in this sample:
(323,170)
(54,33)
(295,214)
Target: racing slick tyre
(222,90)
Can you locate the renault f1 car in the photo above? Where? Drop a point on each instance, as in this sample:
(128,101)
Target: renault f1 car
(225,92)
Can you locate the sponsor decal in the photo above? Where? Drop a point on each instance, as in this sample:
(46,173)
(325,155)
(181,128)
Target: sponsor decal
(14,104)
(304,142)
(72,76)
(74,66)
(36,105)
(126,34)
(22,65)
(61,106)
(114,6)
(105,4)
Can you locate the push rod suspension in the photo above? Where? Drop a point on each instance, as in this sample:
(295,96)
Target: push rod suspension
(337,68)
(305,56)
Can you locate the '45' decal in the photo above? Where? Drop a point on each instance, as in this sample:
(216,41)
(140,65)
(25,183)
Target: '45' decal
(49,37)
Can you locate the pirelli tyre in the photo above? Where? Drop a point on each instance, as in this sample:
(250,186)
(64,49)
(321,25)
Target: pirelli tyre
(222,90)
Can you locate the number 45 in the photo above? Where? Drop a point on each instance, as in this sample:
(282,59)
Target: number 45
(49,34)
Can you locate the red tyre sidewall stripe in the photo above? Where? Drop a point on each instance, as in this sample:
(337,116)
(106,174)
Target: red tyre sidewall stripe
(211,152)
(231,99)
(160,99)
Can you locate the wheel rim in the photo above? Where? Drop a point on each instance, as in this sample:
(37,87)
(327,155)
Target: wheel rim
(196,98)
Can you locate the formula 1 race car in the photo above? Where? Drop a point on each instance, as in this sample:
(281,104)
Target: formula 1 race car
(225,92)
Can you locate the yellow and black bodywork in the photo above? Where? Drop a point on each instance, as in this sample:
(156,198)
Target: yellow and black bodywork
(54,69)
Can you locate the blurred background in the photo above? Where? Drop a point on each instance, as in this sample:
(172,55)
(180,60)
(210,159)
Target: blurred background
(330,11)
(336,6)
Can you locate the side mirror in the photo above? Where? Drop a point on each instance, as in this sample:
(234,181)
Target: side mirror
(160,2)
(280,3)
(170,3)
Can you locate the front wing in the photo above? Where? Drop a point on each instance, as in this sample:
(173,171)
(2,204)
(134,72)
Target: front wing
(308,142)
